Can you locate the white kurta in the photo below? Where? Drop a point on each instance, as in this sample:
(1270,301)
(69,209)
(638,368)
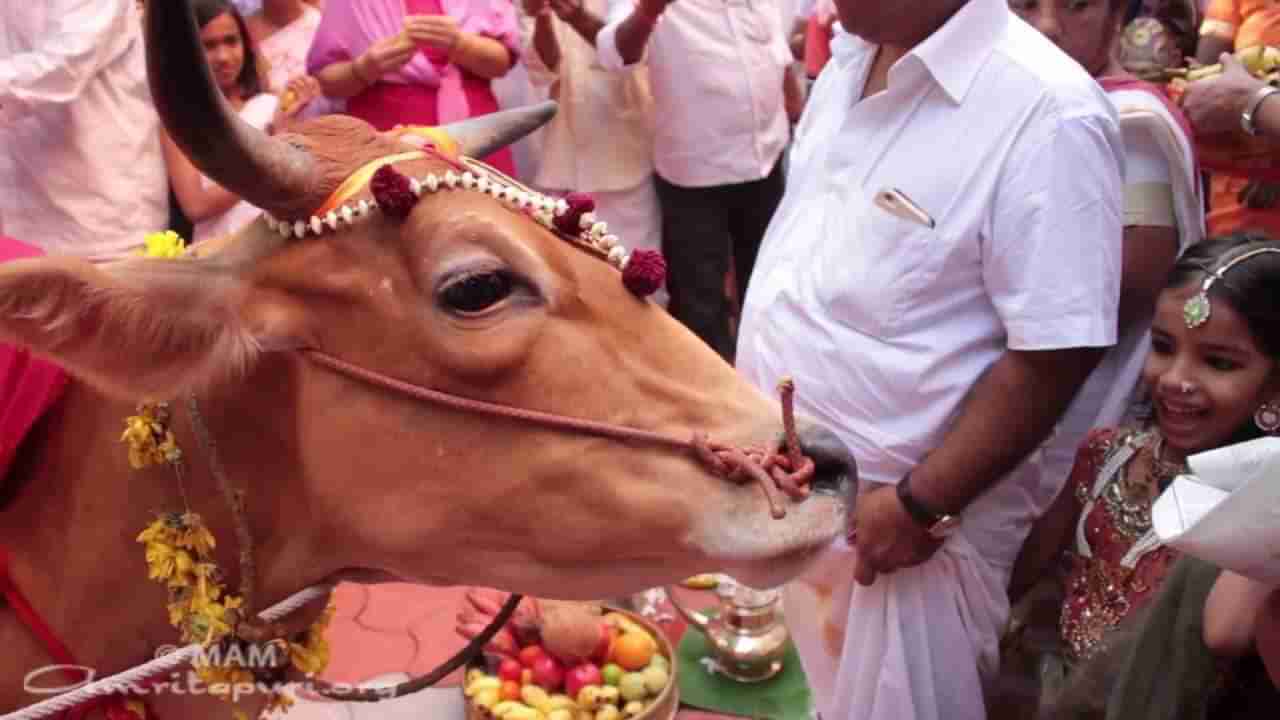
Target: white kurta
(886,323)
(716,70)
(84,172)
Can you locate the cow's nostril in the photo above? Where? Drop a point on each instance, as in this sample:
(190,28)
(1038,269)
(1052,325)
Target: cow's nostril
(835,468)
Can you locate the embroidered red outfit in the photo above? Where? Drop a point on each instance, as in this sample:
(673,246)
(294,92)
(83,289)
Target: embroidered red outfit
(1115,564)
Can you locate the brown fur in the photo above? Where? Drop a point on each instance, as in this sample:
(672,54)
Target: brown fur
(338,145)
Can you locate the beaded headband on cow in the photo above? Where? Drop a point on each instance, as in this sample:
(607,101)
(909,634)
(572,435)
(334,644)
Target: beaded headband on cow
(572,217)
(1196,310)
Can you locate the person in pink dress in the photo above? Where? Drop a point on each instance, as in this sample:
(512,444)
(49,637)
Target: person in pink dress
(416,62)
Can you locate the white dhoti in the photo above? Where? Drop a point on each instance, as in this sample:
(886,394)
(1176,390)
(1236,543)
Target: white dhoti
(920,643)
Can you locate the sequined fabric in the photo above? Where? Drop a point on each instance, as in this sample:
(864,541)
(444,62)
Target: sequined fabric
(1100,591)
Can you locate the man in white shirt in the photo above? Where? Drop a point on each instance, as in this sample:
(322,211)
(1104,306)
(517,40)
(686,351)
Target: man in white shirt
(940,279)
(719,73)
(601,139)
(84,173)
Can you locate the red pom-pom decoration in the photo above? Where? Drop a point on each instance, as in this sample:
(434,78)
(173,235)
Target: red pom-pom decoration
(392,191)
(579,205)
(645,273)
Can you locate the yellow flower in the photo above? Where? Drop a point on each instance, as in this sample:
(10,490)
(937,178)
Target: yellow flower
(312,656)
(161,530)
(137,707)
(167,244)
(195,536)
(278,701)
(161,561)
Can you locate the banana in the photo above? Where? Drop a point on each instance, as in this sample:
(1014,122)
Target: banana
(623,623)
(473,675)
(561,714)
(1270,58)
(482,683)
(610,695)
(487,698)
(1203,72)
(561,702)
(632,709)
(705,581)
(609,712)
(524,712)
(1251,57)
(536,697)
(506,707)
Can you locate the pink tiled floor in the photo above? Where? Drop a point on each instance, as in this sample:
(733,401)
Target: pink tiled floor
(390,632)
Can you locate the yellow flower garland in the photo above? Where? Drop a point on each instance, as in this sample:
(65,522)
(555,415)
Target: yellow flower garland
(179,554)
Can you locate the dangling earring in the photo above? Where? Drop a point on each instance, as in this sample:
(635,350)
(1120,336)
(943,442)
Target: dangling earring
(1267,417)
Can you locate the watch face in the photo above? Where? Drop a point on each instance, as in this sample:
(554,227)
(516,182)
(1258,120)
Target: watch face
(946,525)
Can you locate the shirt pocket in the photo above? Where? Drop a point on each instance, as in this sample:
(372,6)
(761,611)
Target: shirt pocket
(870,264)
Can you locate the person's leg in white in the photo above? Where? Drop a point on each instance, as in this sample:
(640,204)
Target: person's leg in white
(636,218)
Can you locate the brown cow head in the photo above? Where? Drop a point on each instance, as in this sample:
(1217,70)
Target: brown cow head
(467,295)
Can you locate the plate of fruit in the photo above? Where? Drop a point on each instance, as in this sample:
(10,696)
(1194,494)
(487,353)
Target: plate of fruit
(559,660)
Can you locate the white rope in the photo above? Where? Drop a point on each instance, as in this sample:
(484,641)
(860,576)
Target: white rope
(129,680)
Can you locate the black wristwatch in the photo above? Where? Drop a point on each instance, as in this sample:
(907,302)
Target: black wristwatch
(938,525)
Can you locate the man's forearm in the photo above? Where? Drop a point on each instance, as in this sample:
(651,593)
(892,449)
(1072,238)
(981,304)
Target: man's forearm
(545,42)
(586,24)
(1010,412)
(633,36)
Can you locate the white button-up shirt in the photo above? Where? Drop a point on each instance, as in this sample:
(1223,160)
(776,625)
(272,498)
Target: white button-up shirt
(716,68)
(886,323)
(1013,157)
(601,139)
(83,172)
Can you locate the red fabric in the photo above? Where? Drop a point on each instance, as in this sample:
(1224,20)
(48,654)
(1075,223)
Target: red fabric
(29,386)
(386,105)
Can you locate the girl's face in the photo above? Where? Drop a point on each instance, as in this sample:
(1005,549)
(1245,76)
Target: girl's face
(1205,382)
(1083,29)
(224,49)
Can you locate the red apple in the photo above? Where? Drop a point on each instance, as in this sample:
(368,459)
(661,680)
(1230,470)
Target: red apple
(530,654)
(548,673)
(510,669)
(580,675)
(601,654)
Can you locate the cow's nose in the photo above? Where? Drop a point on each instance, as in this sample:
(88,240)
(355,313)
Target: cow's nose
(835,470)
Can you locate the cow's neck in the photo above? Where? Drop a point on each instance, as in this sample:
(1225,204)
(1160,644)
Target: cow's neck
(71,529)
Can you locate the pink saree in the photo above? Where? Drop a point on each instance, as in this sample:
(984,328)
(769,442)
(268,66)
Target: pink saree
(428,90)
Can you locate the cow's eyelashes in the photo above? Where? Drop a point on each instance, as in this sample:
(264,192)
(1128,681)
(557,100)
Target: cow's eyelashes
(475,293)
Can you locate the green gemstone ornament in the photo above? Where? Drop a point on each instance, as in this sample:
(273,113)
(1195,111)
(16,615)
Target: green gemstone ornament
(1195,312)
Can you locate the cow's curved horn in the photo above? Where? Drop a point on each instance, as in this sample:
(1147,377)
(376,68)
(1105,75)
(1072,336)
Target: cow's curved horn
(479,136)
(267,172)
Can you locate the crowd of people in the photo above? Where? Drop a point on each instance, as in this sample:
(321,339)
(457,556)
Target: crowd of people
(979,228)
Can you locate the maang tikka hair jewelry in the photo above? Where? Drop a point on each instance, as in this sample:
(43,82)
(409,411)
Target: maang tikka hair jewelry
(1196,311)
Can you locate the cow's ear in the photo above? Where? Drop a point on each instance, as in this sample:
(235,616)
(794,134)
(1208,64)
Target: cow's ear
(136,329)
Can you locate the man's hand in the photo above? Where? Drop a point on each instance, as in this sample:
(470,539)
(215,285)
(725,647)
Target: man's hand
(566,10)
(437,31)
(887,538)
(298,93)
(1214,105)
(652,8)
(537,8)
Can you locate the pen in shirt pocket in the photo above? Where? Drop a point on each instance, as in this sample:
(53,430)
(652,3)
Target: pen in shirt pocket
(895,202)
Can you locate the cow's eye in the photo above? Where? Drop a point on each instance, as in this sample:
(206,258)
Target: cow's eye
(477,292)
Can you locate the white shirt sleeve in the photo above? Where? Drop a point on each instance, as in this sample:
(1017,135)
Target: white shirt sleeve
(1144,160)
(607,38)
(1052,261)
(83,36)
